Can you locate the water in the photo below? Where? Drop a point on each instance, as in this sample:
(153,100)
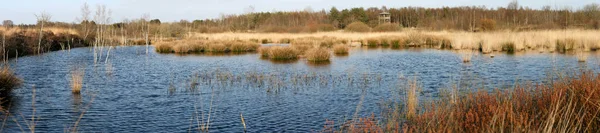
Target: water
(135,92)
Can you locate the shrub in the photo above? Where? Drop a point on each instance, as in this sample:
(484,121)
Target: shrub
(283,53)
(387,27)
(317,55)
(340,49)
(508,47)
(358,27)
(487,24)
(325,27)
(8,81)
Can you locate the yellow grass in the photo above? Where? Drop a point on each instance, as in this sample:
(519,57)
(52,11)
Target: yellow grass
(283,53)
(77,81)
(264,51)
(545,40)
(55,30)
(198,45)
(8,81)
(340,49)
(412,98)
(317,55)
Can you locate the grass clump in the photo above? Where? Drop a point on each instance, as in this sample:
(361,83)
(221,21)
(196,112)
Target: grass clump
(565,45)
(340,49)
(8,81)
(283,53)
(317,55)
(358,27)
(396,43)
(77,81)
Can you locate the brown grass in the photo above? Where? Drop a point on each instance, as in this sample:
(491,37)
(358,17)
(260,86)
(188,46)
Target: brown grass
(264,51)
(340,49)
(77,81)
(571,104)
(163,48)
(8,81)
(198,46)
(317,55)
(544,40)
(283,53)
(412,98)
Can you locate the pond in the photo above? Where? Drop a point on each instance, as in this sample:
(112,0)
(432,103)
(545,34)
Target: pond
(138,92)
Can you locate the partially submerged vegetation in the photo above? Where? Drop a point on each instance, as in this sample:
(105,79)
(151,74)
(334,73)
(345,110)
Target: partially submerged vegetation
(341,49)
(200,46)
(77,81)
(8,81)
(283,53)
(570,104)
(317,55)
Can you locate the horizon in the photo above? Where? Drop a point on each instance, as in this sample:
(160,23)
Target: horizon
(172,11)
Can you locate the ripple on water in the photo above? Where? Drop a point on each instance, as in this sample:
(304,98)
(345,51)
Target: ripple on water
(133,95)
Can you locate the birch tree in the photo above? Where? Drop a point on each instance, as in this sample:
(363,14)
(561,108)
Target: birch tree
(42,18)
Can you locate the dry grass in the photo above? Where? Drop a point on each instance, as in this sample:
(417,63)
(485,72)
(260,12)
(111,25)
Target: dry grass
(341,49)
(466,56)
(8,81)
(77,81)
(283,53)
(317,55)
(163,48)
(412,98)
(198,46)
(264,51)
(581,57)
(55,30)
(570,104)
(545,40)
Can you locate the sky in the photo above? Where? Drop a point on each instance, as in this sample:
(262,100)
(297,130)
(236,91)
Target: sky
(22,11)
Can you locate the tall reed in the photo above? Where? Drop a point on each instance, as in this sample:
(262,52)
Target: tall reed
(77,80)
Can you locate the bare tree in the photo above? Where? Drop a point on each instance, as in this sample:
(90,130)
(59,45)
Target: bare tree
(102,18)
(85,19)
(513,7)
(145,31)
(7,23)
(42,18)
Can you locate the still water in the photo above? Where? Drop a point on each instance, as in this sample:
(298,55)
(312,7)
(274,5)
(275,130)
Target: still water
(138,92)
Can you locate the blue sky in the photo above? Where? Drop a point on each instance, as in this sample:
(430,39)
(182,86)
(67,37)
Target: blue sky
(22,11)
